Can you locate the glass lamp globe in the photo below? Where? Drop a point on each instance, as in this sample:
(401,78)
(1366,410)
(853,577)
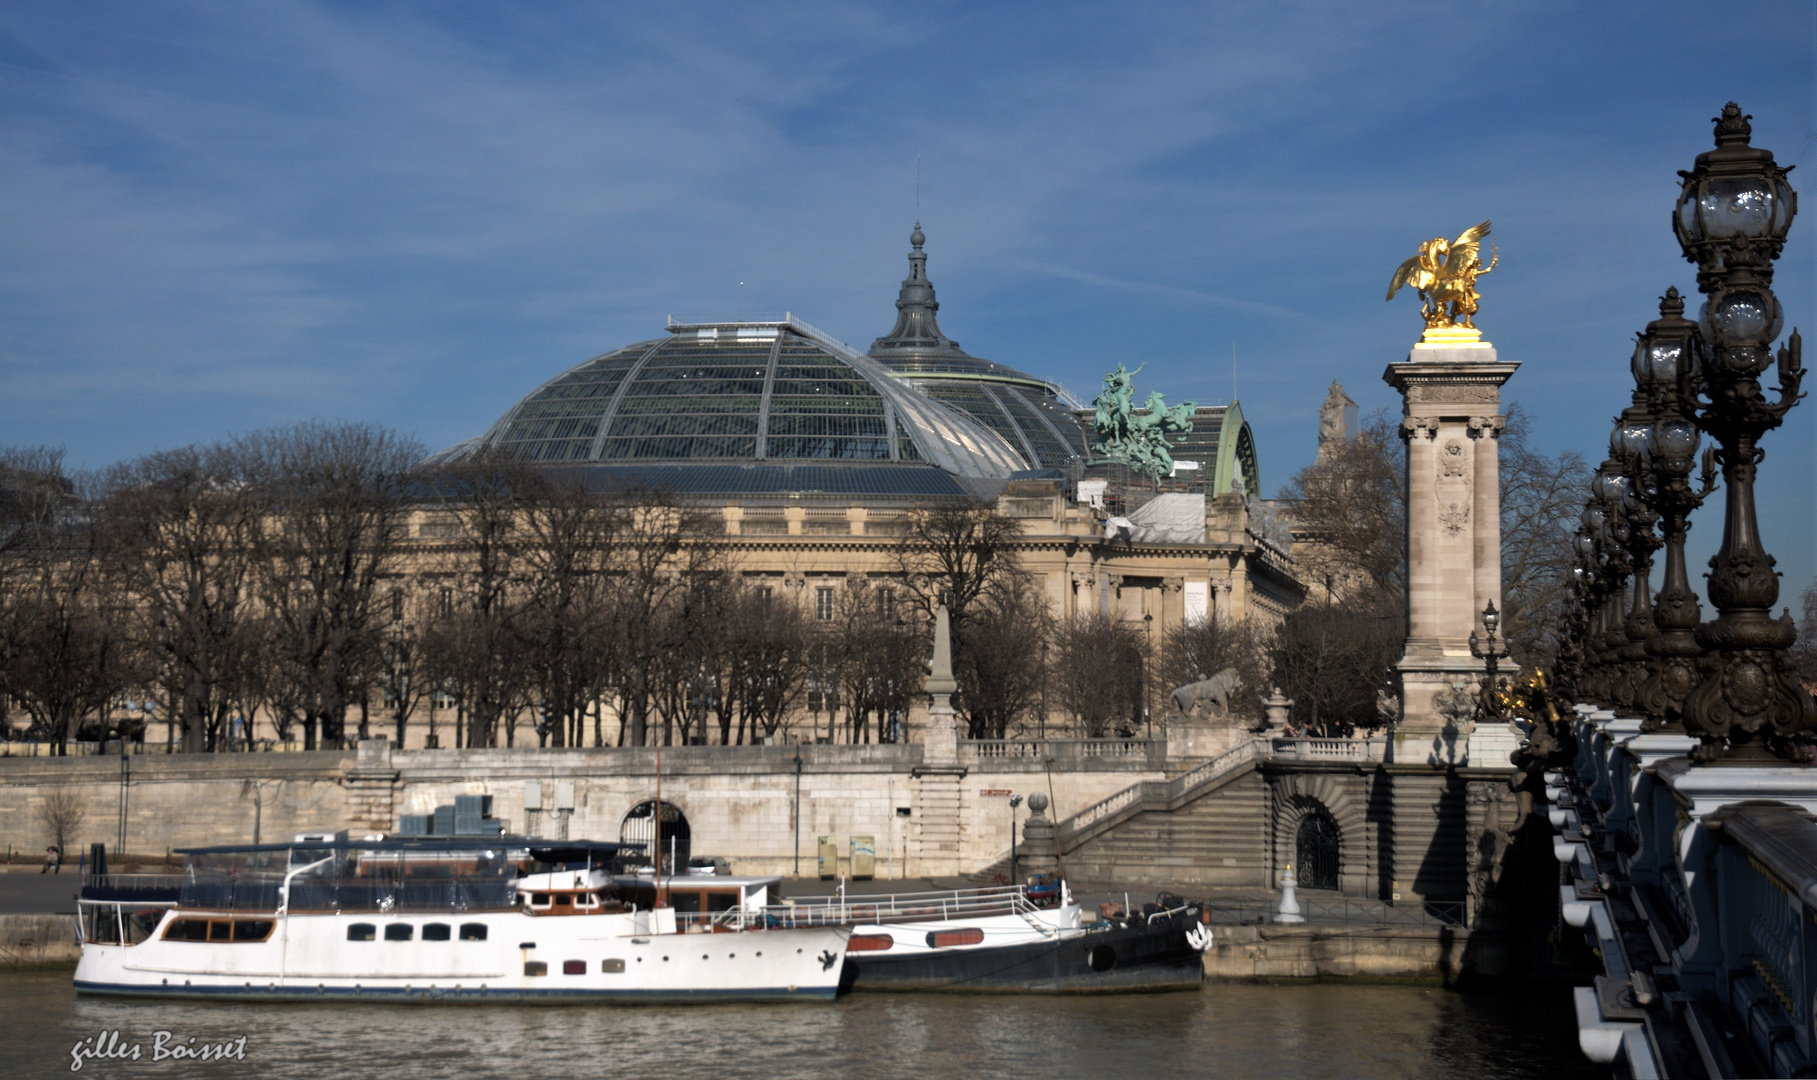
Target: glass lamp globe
(1735,191)
(1674,438)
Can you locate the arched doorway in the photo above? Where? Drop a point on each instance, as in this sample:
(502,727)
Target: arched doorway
(639,827)
(1316,851)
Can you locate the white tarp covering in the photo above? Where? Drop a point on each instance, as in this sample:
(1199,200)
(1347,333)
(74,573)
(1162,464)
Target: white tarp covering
(1176,518)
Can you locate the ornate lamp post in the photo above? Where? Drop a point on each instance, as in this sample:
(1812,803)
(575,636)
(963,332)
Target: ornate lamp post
(1491,653)
(1627,445)
(1603,544)
(1661,355)
(1733,213)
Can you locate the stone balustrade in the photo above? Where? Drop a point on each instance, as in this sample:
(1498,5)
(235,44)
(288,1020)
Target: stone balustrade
(1697,887)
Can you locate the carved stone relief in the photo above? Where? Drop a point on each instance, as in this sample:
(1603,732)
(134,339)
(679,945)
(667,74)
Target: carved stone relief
(1453,487)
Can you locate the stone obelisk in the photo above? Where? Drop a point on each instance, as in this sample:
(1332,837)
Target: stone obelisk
(1450,388)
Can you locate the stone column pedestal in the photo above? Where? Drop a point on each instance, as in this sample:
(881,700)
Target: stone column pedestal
(1452,417)
(1039,853)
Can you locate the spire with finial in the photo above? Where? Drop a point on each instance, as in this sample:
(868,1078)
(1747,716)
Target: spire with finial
(940,682)
(916,325)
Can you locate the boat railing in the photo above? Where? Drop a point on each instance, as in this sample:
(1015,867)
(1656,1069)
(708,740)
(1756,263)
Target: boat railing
(853,910)
(905,907)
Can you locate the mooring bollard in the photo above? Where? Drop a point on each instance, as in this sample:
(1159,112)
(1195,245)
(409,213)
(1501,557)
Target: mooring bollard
(1289,911)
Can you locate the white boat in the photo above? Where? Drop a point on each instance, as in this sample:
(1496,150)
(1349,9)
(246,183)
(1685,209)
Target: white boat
(994,939)
(433,919)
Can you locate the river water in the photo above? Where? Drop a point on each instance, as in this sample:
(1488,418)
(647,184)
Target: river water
(1225,1031)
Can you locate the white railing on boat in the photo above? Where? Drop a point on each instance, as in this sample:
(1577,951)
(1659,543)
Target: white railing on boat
(854,910)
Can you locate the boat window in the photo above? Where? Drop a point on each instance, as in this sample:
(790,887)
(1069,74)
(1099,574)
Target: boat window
(473,931)
(869,943)
(362,931)
(539,899)
(614,966)
(220,931)
(563,900)
(684,901)
(943,939)
(435,931)
(186,930)
(399,932)
(574,967)
(252,929)
(535,967)
(719,901)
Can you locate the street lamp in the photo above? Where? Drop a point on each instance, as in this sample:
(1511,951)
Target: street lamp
(1148,646)
(1627,447)
(1661,355)
(1490,652)
(1014,801)
(1733,213)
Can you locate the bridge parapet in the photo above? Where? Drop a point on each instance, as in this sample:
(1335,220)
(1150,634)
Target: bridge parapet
(1697,886)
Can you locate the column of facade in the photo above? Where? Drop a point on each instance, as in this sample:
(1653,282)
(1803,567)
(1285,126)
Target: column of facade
(1422,524)
(1486,431)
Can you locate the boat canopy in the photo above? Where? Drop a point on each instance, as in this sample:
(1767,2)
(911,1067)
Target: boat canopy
(420,874)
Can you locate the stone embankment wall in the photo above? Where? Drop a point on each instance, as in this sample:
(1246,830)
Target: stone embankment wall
(1438,954)
(739,802)
(29,942)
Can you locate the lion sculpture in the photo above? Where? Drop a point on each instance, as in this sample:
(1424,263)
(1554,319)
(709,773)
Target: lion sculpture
(1213,694)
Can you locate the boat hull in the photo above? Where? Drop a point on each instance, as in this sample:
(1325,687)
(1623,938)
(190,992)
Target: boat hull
(1146,958)
(458,996)
(513,958)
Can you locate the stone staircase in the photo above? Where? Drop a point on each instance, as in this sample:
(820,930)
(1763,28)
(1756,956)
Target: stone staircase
(1150,838)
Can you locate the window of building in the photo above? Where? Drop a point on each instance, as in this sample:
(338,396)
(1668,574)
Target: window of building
(886,603)
(823,603)
(444,601)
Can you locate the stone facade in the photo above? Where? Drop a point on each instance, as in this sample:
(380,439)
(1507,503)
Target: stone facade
(739,803)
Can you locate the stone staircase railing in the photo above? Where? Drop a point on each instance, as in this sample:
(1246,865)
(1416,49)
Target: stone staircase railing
(1132,800)
(1160,795)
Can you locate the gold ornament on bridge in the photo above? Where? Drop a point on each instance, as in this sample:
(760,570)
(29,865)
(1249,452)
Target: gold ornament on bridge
(1444,273)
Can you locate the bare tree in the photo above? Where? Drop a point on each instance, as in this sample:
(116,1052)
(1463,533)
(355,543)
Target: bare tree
(335,501)
(63,653)
(568,538)
(998,659)
(473,615)
(1097,675)
(879,655)
(1333,659)
(773,639)
(663,546)
(61,814)
(1541,499)
(955,554)
(182,524)
(1349,512)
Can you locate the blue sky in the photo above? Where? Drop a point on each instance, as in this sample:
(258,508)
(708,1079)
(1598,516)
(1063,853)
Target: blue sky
(217,216)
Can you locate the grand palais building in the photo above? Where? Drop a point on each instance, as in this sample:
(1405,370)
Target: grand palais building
(810,452)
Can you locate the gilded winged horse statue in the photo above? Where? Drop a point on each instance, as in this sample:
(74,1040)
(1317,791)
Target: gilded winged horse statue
(1444,273)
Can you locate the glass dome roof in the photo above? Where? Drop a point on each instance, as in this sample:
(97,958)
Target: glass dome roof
(773,391)
(1028,413)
